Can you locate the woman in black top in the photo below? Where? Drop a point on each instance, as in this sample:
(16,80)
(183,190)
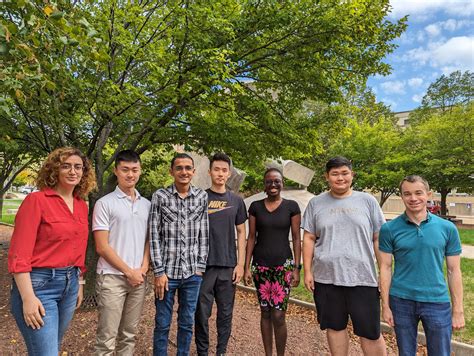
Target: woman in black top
(274,270)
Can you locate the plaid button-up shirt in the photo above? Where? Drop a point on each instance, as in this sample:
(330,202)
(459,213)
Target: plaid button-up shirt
(179,232)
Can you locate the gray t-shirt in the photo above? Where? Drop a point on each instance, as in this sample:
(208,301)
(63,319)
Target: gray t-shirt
(344,227)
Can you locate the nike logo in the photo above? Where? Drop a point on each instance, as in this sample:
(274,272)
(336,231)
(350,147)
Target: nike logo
(212,211)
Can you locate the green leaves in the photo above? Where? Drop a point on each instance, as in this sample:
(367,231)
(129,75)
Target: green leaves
(120,74)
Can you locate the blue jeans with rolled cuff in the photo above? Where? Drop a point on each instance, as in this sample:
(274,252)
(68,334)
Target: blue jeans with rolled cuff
(437,324)
(188,293)
(57,289)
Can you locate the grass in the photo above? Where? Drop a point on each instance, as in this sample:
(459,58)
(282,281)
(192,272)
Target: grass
(467,266)
(301,292)
(467,334)
(9,204)
(467,236)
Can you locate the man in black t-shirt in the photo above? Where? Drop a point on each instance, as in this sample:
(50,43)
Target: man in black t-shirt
(224,270)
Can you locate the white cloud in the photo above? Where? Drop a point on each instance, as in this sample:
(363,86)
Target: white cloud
(391,103)
(456,52)
(420,36)
(423,9)
(433,30)
(450,25)
(393,87)
(417,98)
(415,82)
(417,56)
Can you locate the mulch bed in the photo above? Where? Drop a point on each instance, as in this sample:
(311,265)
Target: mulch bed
(304,336)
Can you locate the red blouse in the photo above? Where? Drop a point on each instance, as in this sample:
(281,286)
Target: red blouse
(47,234)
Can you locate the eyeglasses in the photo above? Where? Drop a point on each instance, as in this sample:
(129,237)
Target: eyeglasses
(68,167)
(273,181)
(183,168)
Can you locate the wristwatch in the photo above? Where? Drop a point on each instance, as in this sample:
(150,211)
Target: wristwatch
(300,267)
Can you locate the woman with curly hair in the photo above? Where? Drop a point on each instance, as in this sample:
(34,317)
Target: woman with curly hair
(274,268)
(47,250)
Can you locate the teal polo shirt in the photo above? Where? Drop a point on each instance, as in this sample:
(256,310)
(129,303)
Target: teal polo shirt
(419,252)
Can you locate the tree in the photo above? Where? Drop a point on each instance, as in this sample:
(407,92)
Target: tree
(448,91)
(442,149)
(374,149)
(14,158)
(137,74)
(109,75)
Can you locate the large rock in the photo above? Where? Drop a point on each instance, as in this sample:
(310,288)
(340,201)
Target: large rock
(301,196)
(292,170)
(202,179)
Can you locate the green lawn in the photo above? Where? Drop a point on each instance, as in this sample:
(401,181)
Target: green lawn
(467,266)
(467,335)
(301,292)
(9,204)
(467,236)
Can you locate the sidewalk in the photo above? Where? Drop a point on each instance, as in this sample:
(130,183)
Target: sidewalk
(467,251)
(466,219)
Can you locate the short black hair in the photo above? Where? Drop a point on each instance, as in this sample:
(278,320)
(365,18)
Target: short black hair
(272,169)
(180,156)
(220,156)
(337,162)
(127,156)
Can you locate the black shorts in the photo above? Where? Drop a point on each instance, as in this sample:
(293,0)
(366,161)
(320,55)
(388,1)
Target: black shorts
(334,304)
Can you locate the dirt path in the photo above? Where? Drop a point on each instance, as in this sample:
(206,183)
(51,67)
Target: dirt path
(304,336)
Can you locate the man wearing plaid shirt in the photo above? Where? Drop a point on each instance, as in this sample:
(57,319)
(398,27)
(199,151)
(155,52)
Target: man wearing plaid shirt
(179,244)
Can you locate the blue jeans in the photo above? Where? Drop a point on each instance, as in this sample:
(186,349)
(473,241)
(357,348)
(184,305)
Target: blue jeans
(437,324)
(57,290)
(188,293)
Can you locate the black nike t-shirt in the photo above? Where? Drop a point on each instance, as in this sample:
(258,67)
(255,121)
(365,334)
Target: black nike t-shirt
(226,210)
(272,246)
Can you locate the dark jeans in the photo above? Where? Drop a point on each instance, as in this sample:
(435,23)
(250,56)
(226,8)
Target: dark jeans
(57,290)
(188,293)
(437,324)
(217,285)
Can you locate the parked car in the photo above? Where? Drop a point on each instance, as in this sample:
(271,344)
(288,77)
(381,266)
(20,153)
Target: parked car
(27,189)
(434,207)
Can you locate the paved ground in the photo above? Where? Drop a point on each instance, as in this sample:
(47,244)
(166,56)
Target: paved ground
(467,251)
(304,336)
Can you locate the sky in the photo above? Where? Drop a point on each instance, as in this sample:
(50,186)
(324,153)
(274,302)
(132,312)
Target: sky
(439,39)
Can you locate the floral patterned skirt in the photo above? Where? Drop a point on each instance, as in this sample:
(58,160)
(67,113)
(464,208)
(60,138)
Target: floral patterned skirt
(273,284)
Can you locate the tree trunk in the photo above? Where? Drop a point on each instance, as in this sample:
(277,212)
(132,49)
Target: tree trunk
(91,255)
(1,204)
(444,194)
(384,195)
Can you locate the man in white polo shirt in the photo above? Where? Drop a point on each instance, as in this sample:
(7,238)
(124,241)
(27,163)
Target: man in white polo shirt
(120,231)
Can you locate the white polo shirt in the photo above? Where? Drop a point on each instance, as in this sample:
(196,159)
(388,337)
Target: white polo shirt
(127,224)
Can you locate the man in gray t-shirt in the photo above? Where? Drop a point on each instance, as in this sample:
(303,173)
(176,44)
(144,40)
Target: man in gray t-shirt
(340,244)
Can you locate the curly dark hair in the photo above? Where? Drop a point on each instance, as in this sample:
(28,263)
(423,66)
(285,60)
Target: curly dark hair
(49,172)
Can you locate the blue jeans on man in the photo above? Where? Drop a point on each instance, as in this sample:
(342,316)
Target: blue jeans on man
(57,290)
(437,324)
(188,293)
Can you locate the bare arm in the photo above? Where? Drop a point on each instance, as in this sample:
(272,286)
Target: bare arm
(239,269)
(309,240)
(146,258)
(296,239)
(33,310)
(385,270)
(249,249)
(453,264)
(377,252)
(101,237)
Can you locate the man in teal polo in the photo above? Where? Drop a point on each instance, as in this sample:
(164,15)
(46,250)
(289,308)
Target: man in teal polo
(419,242)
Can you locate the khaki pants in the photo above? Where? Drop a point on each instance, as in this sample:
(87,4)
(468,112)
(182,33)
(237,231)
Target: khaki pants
(120,307)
